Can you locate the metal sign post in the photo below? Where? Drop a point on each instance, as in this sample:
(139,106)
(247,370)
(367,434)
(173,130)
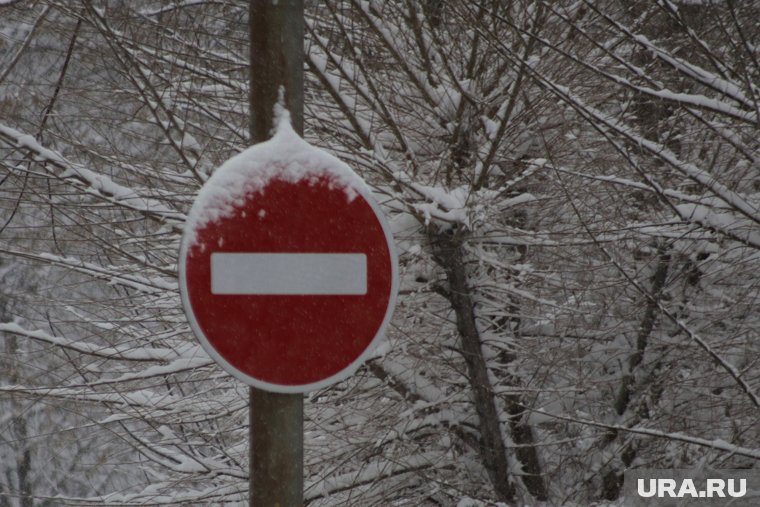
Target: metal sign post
(276,420)
(287,269)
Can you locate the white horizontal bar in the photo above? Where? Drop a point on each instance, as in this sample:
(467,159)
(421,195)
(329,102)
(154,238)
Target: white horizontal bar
(288,274)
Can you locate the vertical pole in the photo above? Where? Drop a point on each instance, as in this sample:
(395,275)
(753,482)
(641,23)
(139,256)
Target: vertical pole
(277,59)
(276,420)
(276,449)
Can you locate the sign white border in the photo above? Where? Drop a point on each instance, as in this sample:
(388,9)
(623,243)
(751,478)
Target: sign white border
(346,372)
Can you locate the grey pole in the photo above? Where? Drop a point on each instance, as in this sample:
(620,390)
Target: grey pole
(277,59)
(276,420)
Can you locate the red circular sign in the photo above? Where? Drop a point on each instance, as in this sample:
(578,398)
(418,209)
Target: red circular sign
(293,284)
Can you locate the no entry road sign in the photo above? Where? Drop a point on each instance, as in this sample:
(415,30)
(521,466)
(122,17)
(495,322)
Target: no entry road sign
(287,267)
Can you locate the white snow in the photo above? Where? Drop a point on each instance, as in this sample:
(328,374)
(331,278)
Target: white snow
(93,183)
(729,197)
(286,156)
(125,353)
(707,78)
(371,472)
(448,206)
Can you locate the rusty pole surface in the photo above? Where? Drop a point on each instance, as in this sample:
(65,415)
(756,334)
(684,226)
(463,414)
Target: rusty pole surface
(276,30)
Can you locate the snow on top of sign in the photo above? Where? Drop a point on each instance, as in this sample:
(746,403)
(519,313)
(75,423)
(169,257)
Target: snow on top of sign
(286,156)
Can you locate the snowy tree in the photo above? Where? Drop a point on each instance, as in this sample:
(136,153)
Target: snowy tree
(573,187)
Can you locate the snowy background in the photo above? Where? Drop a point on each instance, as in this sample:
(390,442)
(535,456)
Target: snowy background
(574,188)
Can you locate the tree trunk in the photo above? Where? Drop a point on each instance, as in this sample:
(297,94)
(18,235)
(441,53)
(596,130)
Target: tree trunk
(612,483)
(449,254)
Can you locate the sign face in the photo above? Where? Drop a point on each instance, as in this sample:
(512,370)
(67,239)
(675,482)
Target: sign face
(291,286)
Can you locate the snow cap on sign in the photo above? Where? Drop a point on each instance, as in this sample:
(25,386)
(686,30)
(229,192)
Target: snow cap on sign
(286,156)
